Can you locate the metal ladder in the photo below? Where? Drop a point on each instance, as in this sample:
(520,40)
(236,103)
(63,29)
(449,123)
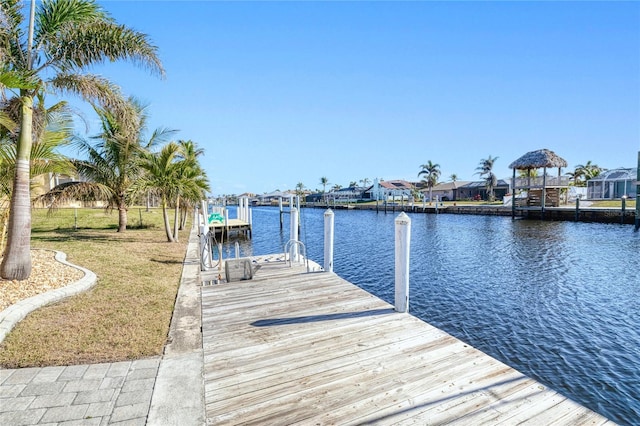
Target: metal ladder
(289,248)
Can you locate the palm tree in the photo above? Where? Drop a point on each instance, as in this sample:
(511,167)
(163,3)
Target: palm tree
(528,173)
(575,176)
(585,172)
(112,164)
(324,182)
(365,182)
(161,177)
(431,173)
(64,39)
(300,189)
(592,170)
(172,175)
(192,186)
(193,182)
(485,170)
(453,177)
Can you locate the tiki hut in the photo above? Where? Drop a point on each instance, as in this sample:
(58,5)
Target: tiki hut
(542,158)
(542,191)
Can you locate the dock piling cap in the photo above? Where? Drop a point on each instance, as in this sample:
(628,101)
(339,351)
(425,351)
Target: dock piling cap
(403,219)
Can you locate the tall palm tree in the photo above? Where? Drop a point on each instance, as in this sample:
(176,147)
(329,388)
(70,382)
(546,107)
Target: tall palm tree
(64,39)
(324,182)
(365,182)
(300,189)
(485,170)
(453,177)
(431,173)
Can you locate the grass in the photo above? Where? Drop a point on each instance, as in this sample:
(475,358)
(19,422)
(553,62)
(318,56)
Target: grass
(126,315)
(614,204)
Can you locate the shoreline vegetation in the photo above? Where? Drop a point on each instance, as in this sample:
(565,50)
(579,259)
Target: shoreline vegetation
(126,315)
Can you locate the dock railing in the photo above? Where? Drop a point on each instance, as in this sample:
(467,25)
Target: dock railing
(540,181)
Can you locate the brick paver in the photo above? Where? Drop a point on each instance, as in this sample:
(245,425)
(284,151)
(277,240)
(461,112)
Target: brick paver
(96,394)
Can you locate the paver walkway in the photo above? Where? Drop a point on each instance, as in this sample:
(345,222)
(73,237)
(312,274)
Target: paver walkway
(97,394)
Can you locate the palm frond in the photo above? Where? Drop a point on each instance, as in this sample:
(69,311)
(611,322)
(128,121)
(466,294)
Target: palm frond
(44,155)
(10,15)
(74,191)
(160,136)
(52,130)
(93,88)
(11,32)
(74,34)
(11,107)
(12,79)
(6,122)
(54,15)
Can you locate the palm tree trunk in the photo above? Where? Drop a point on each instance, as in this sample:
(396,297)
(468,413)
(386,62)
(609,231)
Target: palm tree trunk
(16,263)
(5,218)
(183,217)
(176,219)
(167,225)
(122,217)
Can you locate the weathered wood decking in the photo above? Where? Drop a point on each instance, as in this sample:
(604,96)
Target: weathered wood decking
(311,348)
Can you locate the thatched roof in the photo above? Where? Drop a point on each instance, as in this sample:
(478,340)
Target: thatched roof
(538,159)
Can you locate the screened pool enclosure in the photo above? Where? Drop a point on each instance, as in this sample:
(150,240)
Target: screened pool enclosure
(612,184)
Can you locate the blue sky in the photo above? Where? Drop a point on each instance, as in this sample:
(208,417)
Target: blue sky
(284,92)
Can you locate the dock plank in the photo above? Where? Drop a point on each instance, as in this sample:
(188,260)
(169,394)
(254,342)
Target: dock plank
(290,347)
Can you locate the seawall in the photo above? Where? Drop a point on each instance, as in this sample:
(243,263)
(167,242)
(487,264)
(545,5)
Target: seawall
(586,214)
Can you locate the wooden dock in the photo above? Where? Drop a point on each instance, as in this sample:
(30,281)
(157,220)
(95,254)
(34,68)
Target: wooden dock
(291,347)
(231,226)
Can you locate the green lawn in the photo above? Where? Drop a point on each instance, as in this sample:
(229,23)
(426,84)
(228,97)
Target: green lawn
(126,315)
(614,204)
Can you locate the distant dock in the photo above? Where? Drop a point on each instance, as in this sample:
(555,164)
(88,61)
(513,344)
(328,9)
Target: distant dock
(293,347)
(566,213)
(220,224)
(231,226)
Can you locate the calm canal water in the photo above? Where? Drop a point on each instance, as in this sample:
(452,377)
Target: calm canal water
(558,301)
